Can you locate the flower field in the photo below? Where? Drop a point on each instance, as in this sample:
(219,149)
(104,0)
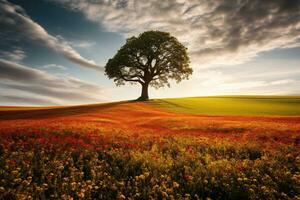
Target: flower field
(132,150)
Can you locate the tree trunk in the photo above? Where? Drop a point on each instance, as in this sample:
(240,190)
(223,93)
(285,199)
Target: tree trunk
(144,96)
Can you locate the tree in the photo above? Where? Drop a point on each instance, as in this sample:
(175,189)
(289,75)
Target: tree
(152,58)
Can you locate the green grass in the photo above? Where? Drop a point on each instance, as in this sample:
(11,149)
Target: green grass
(233,105)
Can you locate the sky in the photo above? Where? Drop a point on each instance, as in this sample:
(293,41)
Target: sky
(53,52)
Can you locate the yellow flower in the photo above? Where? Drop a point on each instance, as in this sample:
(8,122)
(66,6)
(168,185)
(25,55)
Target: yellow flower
(17,180)
(121,183)
(164,194)
(121,196)
(80,195)
(73,185)
(39,189)
(142,177)
(26,183)
(15,172)
(147,174)
(175,184)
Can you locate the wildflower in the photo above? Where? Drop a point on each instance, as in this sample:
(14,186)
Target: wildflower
(283,194)
(164,194)
(121,197)
(80,194)
(147,174)
(188,177)
(15,172)
(175,184)
(142,177)
(39,189)
(73,185)
(50,176)
(137,194)
(17,180)
(121,183)
(26,183)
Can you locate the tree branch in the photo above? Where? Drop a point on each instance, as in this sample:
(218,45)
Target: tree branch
(132,80)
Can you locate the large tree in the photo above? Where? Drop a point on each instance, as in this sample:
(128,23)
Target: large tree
(152,58)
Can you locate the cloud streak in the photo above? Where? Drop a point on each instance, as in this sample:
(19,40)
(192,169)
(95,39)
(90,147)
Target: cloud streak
(16,55)
(216,32)
(54,66)
(20,79)
(15,22)
(22,100)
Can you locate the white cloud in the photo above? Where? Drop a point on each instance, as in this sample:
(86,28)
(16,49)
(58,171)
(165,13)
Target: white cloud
(216,32)
(54,66)
(16,55)
(82,44)
(15,22)
(26,100)
(282,82)
(24,80)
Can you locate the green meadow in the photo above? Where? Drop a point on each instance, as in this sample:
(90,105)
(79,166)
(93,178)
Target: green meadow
(233,105)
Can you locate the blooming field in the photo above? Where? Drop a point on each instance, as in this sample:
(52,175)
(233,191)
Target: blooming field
(135,151)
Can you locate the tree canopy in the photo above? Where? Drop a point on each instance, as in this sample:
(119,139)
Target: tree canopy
(153,58)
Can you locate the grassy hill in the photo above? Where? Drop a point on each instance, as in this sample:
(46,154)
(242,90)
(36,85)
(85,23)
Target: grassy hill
(233,105)
(210,105)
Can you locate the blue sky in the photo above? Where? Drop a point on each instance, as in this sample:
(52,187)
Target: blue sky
(52,52)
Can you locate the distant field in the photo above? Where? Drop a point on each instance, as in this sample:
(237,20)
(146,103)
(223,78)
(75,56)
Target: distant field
(233,105)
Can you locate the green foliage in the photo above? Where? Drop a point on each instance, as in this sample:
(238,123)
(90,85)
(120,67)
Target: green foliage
(233,105)
(152,58)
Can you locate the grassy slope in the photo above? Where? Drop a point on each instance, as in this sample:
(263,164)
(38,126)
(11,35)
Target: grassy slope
(213,105)
(233,105)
